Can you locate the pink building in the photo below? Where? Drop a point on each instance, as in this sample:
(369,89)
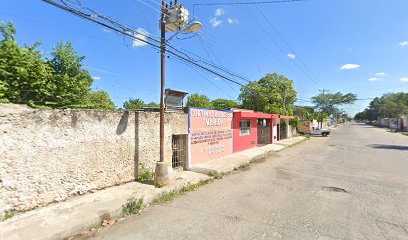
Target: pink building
(254,128)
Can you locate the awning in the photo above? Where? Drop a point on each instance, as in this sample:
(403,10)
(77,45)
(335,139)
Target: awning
(255,115)
(286,117)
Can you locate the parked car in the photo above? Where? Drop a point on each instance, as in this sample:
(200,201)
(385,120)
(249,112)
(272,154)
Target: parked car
(307,129)
(320,131)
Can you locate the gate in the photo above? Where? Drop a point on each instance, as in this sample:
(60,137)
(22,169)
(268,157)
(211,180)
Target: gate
(283,131)
(264,131)
(179,147)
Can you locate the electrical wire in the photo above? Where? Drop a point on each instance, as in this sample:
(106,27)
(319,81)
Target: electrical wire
(139,8)
(287,43)
(216,58)
(254,40)
(276,44)
(150,6)
(207,63)
(244,3)
(128,32)
(211,82)
(248,3)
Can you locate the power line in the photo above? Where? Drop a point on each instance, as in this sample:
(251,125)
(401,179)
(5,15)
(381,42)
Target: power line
(91,18)
(126,31)
(248,3)
(143,16)
(216,58)
(244,3)
(150,6)
(34,21)
(155,2)
(323,90)
(205,49)
(212,83)
(287,43)
(208,63)
(254,40)
(276,44)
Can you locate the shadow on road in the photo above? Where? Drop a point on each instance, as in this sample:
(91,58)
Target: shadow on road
(391,147)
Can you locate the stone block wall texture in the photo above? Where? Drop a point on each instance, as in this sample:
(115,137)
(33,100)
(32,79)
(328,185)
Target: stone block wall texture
(51,155)
(149,135)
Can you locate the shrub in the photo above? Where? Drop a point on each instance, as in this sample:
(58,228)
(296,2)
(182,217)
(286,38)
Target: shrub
(144,173)
(132,206)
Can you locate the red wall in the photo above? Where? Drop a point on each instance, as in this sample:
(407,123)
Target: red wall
(245,142)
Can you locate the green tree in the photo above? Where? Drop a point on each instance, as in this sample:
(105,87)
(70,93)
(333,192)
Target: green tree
(201,101)
(223,104)
(99,99)
(273,93)
(152,105)
(391,105)
(330,101)
(133,104)
(24,77)
(303,113)
(70,81)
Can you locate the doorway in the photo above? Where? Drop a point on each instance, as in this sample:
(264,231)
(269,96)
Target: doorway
(179,151)
(264,131)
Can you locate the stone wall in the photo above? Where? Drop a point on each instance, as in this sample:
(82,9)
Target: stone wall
(50,155)
(149,135)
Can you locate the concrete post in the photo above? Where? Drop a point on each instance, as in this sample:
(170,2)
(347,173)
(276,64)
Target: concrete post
(287,128)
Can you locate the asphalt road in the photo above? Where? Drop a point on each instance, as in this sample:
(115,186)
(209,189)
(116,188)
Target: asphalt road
(295,195)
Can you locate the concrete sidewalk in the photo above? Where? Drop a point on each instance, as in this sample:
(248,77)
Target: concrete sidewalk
(61,220)
(228,163)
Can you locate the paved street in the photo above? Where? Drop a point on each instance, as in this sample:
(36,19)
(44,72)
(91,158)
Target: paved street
(295,195)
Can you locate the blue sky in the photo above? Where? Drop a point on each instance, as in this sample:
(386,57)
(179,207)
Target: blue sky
(358,46)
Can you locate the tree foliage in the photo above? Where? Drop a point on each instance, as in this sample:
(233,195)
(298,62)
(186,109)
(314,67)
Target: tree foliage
(71,83)
(133,104)
(273,93)
(329,102)
(60,81)
(99,99)
(197,100)
(24,76)
(152,105)
(304,113)
(390,105)
(223,104)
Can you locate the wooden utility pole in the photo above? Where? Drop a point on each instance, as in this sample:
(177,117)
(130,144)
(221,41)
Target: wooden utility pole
(163,75)
(284,103)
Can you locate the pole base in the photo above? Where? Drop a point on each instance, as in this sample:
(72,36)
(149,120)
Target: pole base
(161,177)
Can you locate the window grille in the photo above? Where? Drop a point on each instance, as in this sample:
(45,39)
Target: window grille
(179,143)
(244,127)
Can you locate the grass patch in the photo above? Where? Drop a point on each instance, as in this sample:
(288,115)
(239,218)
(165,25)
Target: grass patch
(166,197)
(9,215)
(244,165)
(144,173)
(132,206)
(159,185)
(215,175)
(297,143)
(405,134)
(252,161)
(187,188)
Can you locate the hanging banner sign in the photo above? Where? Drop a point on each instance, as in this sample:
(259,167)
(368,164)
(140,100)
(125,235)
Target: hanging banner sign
(210,134)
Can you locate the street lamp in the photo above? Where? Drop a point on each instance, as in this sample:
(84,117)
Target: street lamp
(194,26)
(174,19)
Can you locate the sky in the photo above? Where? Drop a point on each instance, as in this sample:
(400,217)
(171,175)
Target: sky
(358,46)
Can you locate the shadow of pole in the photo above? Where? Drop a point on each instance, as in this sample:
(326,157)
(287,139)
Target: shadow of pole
(390,147)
